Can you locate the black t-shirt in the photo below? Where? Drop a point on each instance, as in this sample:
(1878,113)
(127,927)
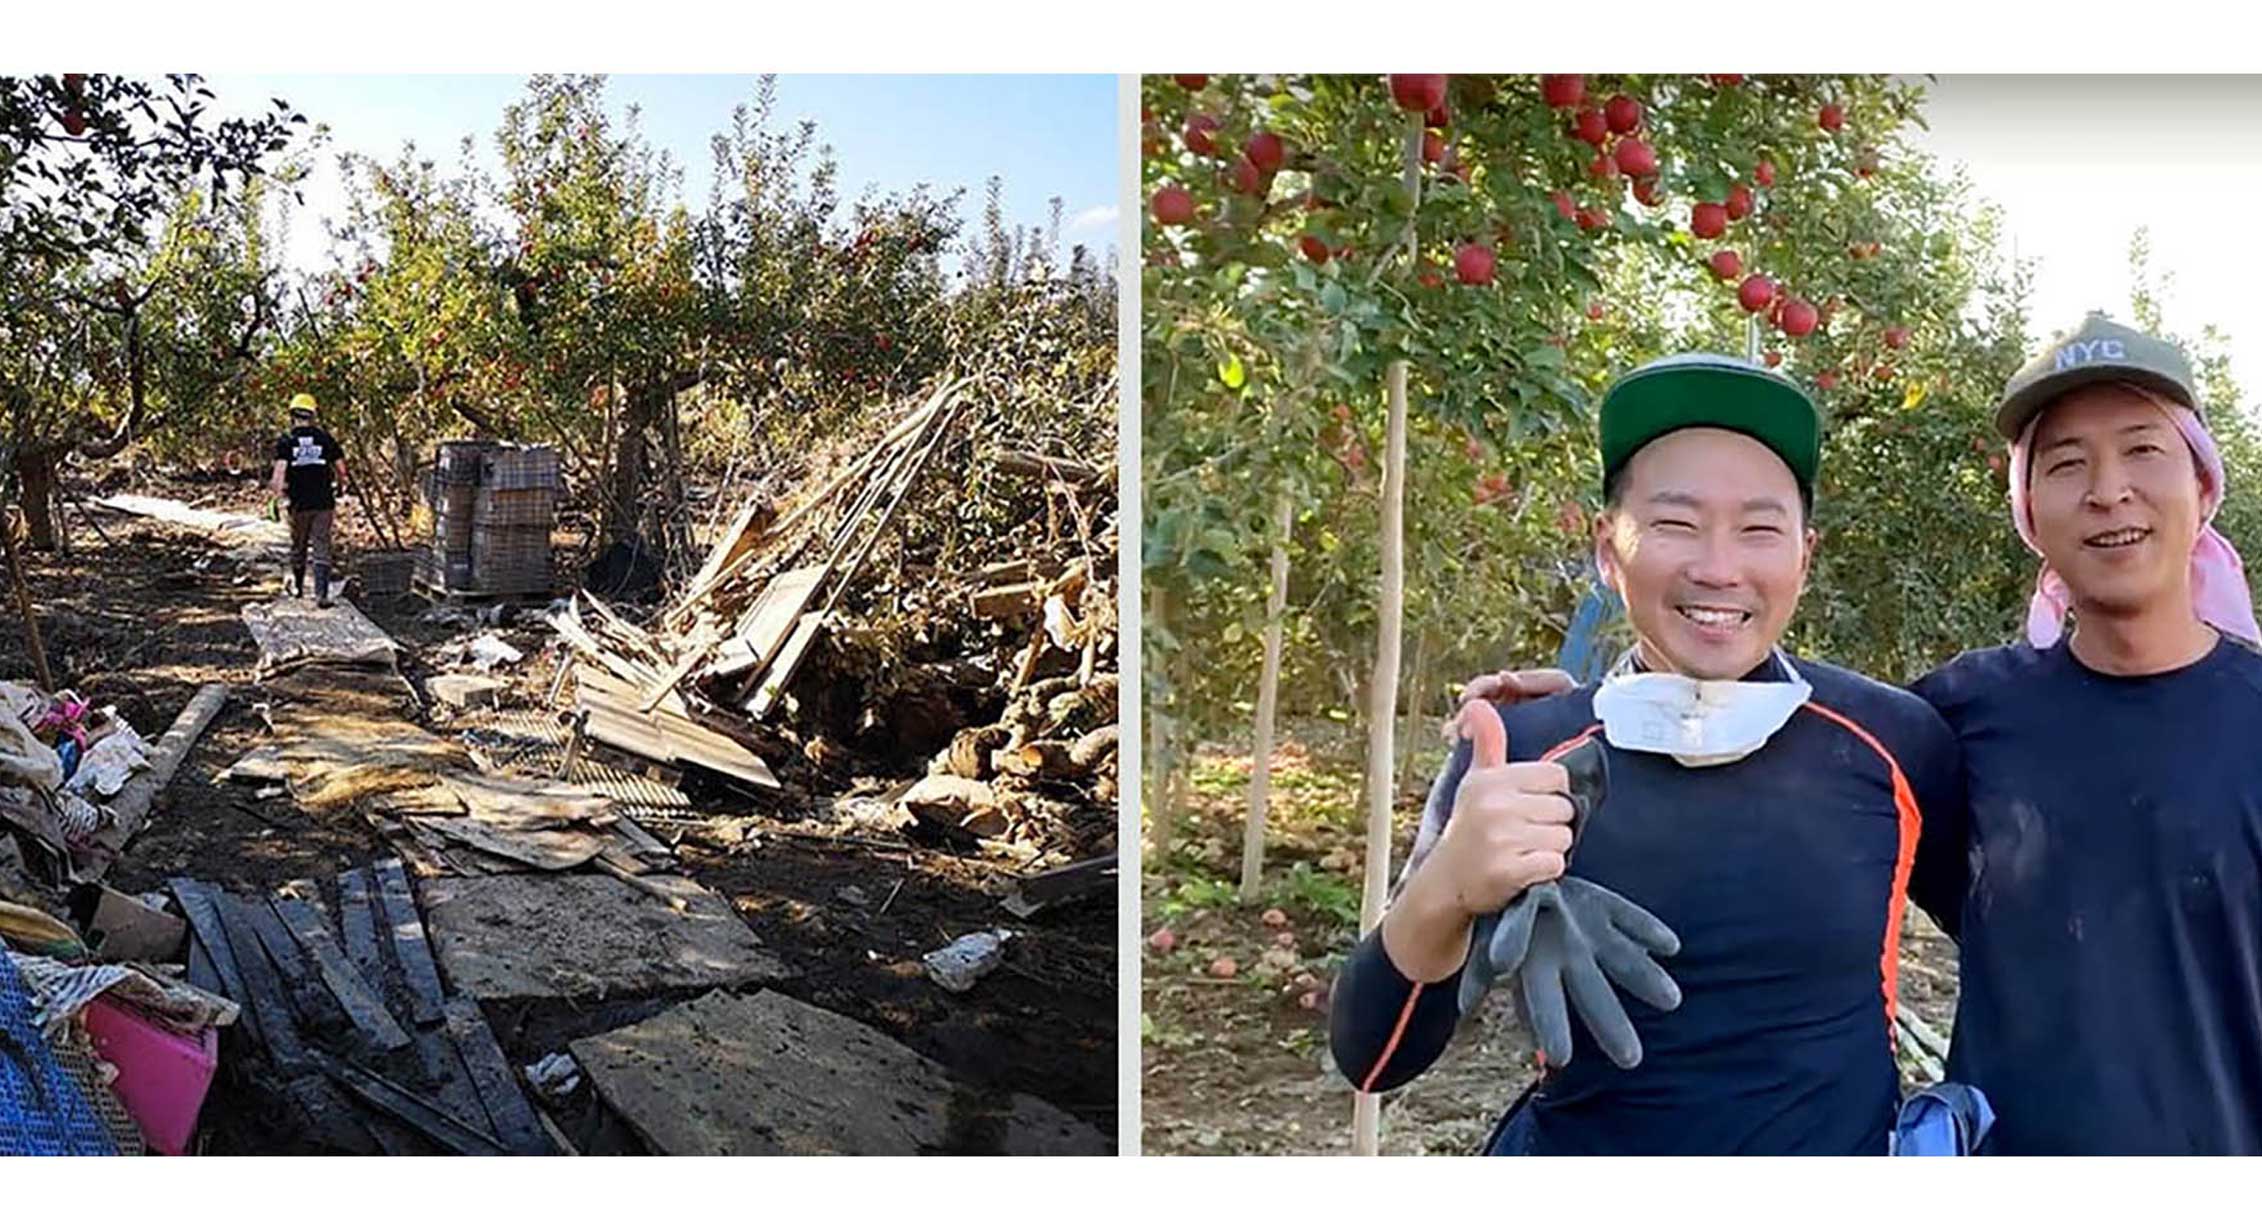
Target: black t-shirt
(2112,934)
(1784,875)
(309,457)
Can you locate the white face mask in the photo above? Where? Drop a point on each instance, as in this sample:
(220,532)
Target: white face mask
(1701,723)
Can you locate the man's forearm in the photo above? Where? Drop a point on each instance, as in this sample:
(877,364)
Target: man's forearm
(1426,936)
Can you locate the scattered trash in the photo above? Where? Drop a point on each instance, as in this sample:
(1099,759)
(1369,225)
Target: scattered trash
(958,966)
(487,652)
(554,1077)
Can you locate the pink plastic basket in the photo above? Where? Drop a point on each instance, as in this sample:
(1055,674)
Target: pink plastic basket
(162,1075)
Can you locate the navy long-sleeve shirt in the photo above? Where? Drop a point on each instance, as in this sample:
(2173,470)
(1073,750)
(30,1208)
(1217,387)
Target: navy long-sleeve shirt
(1783,874)
(2111,996)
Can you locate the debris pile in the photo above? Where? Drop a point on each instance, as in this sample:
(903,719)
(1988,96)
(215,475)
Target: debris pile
(815,644)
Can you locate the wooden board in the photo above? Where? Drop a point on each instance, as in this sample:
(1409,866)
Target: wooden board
(263,989)
(199,903)
(782,670)
(513,1118)
(405,931)
(353,993)
(667,735)
(357,922)
(317,1011)
(767,623)
(429,1119)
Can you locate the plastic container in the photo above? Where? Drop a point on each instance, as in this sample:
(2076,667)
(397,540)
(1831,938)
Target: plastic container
(958,966)
(163,1076)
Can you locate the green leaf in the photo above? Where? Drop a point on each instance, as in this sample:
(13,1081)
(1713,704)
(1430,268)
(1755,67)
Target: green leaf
(1230,372)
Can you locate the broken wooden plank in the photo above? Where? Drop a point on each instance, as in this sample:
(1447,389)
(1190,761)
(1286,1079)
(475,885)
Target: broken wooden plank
(313,1004)
(263,986)
(199,904)
(358,925)
(1033,893)
(429,1119)
(410,949)
(130,808)
(353,994)
(507,1108)
(788,663)
(667,735)
(1008,601)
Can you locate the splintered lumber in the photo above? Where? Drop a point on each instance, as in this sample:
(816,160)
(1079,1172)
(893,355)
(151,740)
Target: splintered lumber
(766,626)
(667,734)
(788,663)
(361,1003)
(1008,600)
(429,1119)
(405,930)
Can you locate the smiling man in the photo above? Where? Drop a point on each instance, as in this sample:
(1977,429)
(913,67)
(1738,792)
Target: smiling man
(1766,809)
(2111,996)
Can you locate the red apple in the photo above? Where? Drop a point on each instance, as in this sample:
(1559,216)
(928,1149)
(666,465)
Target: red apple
(1756,292)
(1429,279)
(1636,158)
(1765,174)
(1727,80)
(1708,220)
(1199,125)
(1623,114)
(1192,80)
(1417,91)
(1832,118)
(1739,203)
(1246,178)
(1826,381)
(1562,89)
(1472,263)
(1224,967)
(1266,151)
(1433,147)
(1589,126)
(1884,371)
(1275,918)
(1173,205)
(74,122)
(1774,358)
(1594,219)
(1603,167)
(1725,264)
(1314,248)
(1897,338)
(1798,317)
(1646,191)
(1162,940)
(1565,206)
(1594,311)
(1439,117)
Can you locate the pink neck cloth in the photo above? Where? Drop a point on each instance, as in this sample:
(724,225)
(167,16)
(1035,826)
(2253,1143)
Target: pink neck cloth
(2219,595)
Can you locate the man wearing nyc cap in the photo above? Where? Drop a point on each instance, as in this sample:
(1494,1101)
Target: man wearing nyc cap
(310,469)
(1766,809)
(2111,969)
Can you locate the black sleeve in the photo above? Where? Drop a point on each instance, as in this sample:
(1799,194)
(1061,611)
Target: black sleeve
(1942,873)
(1383,1028)
(331,452)
(282,447)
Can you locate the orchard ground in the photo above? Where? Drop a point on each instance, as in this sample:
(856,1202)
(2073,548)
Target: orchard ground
(145,618)
(1236,1063)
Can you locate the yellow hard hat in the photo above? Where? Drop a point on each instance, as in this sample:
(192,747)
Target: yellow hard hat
(304,400)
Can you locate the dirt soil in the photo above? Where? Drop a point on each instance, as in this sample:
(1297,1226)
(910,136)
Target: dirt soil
(142,619)
(1238,1065)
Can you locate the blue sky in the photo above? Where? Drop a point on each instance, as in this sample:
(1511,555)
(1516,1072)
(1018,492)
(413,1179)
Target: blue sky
(1046,135)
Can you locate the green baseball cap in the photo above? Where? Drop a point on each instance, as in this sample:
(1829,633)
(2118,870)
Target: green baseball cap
(2095,351)
(1684,390)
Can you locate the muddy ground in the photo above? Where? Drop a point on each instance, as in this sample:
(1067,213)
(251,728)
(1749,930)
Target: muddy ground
(1238,1065)
(143,618)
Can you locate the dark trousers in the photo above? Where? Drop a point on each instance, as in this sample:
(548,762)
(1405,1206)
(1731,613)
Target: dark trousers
(310,530)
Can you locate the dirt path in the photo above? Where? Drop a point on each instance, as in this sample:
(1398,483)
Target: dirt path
(144,619)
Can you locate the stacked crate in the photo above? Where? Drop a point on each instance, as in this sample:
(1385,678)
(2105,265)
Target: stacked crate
(513,510)
(493,506)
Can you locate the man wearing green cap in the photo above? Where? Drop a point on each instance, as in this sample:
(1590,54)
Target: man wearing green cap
(311,470)
(1765,810)
(2105,879)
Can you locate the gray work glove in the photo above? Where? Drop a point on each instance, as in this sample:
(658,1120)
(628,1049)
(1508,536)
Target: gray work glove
(1566,942)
